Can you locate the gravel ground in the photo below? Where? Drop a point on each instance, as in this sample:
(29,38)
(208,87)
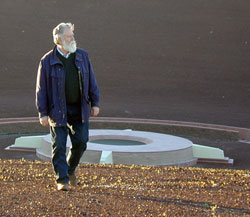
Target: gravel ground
(27,188)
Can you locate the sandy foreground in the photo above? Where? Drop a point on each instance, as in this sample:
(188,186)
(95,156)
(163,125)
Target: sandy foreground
(27,188)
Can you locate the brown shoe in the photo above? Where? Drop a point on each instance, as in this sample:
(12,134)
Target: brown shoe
(62,187)
(73,180)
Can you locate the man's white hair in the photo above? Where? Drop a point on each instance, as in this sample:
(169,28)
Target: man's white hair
(59,30)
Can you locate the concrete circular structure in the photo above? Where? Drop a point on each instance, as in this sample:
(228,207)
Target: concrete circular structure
(152,148)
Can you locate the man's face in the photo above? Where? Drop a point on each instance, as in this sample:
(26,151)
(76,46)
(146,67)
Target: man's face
(69,36)
(68,41)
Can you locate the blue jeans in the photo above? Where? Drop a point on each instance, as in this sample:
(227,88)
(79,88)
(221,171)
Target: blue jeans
(65,166)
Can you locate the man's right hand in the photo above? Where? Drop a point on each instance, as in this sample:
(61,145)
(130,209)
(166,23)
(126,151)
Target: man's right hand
(44,121)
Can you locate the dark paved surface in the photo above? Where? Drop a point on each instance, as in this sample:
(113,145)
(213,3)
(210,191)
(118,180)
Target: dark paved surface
(175,59)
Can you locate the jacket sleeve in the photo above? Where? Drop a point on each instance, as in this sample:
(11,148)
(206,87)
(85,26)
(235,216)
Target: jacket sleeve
(94,93)
(41,91)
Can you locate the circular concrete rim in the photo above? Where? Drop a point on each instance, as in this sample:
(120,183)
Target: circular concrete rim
(163,150)
(158,142)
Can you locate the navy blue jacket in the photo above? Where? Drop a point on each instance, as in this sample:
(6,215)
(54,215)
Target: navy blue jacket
(50,87)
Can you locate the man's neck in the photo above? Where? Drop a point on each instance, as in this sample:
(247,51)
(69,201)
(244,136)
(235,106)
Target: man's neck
(60,47)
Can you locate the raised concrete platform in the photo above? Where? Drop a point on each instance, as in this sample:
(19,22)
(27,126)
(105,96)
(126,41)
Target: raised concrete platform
(203,154)
(158,149)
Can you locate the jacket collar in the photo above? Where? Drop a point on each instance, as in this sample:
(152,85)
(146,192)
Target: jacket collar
(78,55)
(54,59)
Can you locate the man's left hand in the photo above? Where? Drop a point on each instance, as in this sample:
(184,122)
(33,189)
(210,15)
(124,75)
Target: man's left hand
(94,111)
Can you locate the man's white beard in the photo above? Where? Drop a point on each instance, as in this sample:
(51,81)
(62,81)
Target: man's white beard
(70,47)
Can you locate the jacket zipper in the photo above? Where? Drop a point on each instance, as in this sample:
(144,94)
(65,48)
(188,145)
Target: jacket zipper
(80,82)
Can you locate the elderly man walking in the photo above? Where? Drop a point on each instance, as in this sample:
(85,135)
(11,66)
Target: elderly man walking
(66,95)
